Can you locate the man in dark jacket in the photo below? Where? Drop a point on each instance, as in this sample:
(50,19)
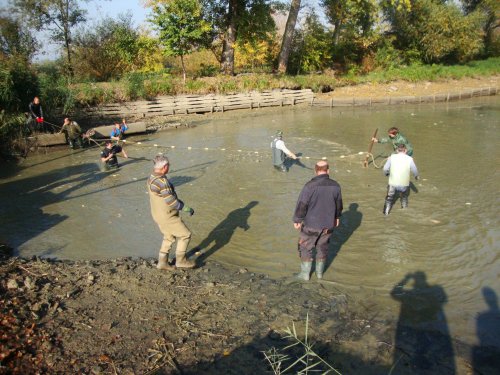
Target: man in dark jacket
(36,115)
(318,211)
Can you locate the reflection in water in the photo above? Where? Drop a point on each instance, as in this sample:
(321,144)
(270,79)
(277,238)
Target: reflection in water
(422,344)
(222,233)
(349,222)
(486,356)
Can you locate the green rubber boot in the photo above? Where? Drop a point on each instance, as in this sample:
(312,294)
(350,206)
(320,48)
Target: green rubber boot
(305,271)
(320,267)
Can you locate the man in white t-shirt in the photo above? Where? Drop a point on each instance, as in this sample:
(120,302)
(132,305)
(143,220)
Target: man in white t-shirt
(398,168)
(279,152)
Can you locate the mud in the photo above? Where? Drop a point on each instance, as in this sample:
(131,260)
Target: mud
(124,316)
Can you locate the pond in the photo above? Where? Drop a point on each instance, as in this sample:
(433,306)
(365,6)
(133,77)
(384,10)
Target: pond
(60,205)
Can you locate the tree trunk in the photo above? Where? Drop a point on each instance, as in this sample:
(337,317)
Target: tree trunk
(286,44)
(183,69)
(230,39)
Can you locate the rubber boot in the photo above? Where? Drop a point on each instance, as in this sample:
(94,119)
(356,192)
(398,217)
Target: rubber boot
(163,263)
(404,202)
(305,271)
(320,267)
(182,262)
(387,207)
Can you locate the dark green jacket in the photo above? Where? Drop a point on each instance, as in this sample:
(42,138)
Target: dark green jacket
(397,140)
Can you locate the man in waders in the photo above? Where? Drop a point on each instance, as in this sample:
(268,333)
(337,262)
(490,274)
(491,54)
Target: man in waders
(398,168)
(318,211)
(279,152)
(73,132)
(396,138)
(108,155)
(165,207)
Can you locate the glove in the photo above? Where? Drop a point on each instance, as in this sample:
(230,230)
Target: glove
(188,210)
(39,119)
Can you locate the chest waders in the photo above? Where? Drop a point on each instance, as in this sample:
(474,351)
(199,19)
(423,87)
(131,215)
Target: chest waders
(172,228)
(278,156)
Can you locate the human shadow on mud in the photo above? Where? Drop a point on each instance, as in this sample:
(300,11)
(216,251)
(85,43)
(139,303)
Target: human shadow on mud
(349,223)
(222,233)
(486,355)
(422,343)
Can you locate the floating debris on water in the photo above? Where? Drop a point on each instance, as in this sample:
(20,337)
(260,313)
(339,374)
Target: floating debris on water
(189,147)
(323,158)
(155,145)
(468,203)
(360,153)
(435,221)
(342,156)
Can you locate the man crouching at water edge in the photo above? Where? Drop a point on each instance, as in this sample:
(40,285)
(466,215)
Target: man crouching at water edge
(398,168)
(318,211)
(165,207)
(108,156)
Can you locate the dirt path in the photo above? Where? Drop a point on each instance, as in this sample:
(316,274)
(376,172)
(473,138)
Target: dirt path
(402,88)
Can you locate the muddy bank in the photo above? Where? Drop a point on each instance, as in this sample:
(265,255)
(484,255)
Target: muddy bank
(123,316)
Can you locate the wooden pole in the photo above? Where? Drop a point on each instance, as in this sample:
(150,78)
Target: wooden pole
(365,163)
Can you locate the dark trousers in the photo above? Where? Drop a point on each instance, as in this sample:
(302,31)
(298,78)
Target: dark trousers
(312,238)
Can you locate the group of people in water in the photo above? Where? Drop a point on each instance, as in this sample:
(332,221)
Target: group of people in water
(317,212)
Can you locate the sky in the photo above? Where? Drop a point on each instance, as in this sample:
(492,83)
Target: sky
(99,9)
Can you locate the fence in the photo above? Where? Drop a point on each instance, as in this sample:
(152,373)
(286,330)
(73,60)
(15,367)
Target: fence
(186,104)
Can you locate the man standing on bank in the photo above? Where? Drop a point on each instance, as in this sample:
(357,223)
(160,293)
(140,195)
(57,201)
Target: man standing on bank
(396,138)
(279,152)
(317,213)
(398,168)
(165,207)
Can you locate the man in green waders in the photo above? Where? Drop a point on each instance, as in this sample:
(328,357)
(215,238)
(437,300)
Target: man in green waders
(396,138)
(165,207)
(398,168)
(317,213)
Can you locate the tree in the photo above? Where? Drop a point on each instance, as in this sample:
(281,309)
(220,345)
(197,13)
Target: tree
(439,31)
(354,31)
(491,11)
(181,26)
(58,17)
(107,49)
(310,47)
(286,44)
(16,40)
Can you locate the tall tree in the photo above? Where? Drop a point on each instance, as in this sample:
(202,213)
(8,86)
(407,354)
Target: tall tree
(181,26)
(58,17)
(491,11)
(288,36)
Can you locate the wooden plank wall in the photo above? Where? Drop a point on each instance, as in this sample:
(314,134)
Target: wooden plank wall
(185,104)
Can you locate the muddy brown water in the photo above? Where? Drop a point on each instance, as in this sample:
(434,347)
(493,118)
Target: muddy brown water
(60,205)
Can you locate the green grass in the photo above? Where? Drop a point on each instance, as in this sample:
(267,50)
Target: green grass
(137,86)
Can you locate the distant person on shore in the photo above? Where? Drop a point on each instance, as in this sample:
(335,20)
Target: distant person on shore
(73,132)
(118,132)
(398,168)
(396,138)
(280,150)
(165,208)
(108,155)
(36,121)
(317,213)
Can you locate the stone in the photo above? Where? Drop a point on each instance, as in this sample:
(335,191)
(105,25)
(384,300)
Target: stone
(12,284)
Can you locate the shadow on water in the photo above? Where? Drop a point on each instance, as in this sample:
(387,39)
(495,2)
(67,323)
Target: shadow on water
(486,356)
(422,343)
(349,223)
(290,162)
(222,233)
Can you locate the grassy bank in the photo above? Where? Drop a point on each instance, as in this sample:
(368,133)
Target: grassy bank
(139,86)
